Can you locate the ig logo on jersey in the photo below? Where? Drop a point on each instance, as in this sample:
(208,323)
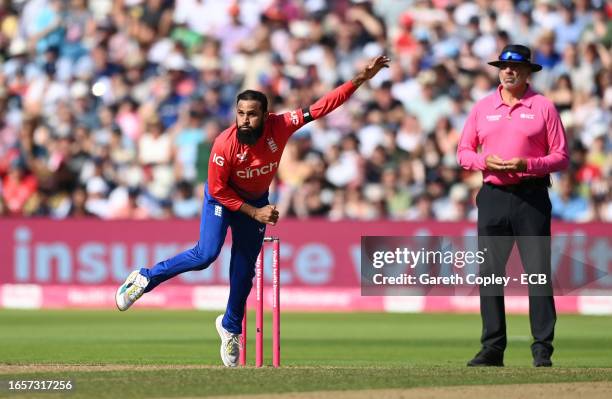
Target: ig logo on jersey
(218,159)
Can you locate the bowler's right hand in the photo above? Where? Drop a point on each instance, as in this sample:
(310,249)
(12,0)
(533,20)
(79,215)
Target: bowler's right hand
(371,69)
(268,215)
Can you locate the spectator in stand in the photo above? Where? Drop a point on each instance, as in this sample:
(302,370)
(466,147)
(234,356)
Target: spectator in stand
(18,187)
(78,208)
(567,204)
(185,204)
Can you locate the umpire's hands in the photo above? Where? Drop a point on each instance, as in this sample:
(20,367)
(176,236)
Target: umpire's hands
(516,165)
(495,163)
(268,215)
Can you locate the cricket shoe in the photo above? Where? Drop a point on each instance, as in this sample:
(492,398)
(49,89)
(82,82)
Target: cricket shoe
(487,358)
(130,290)
(230,344)
(541,358)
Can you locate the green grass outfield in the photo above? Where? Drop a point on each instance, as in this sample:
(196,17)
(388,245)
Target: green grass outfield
(334,351)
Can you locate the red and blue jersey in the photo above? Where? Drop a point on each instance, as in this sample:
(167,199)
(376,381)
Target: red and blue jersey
(239,172)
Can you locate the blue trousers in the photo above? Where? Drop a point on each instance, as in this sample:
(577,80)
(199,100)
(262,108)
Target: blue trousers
(247,239)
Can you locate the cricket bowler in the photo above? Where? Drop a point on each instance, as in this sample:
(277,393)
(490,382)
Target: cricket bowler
(243,162)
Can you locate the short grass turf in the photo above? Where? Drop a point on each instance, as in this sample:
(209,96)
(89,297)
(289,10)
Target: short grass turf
(332,351)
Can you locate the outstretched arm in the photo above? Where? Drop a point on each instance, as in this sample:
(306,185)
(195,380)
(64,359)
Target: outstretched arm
(371,70)
(339,95)
(295,119)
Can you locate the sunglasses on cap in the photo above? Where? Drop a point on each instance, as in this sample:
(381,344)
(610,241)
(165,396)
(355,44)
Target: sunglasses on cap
(512,56)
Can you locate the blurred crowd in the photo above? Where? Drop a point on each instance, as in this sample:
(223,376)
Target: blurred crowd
(108,109)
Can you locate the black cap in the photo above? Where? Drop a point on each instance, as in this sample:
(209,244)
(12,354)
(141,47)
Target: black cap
(518,54)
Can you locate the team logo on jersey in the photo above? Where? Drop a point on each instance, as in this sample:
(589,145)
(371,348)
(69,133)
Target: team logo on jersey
(242,157)
(272,144)
(218,159)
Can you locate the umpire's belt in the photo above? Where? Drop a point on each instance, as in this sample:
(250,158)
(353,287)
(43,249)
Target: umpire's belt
(525,184)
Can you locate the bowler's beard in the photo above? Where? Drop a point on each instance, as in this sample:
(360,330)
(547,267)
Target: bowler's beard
(249,135)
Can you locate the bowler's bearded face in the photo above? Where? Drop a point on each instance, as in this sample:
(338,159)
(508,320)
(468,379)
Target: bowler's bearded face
(249,121)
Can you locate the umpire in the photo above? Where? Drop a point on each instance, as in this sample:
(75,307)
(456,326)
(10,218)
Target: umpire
(521,142)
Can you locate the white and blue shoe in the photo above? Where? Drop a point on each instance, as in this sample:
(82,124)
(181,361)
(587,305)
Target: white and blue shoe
(230,344)
(130,290)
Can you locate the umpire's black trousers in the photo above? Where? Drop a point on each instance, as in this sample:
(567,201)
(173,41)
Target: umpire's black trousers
(516,213)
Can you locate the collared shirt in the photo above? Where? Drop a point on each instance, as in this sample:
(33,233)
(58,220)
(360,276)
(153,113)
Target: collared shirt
(530,129)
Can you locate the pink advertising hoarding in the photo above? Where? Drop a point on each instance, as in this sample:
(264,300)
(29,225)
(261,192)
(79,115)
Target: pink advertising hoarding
(79,263)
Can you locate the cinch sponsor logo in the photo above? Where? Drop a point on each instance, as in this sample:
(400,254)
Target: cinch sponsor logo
(249,173)
(493,118)
(527,116)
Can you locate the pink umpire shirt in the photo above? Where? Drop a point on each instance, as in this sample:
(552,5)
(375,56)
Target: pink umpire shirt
(530,129)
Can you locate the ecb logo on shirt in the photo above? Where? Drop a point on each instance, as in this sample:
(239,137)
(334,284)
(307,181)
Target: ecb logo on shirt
(272,144)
